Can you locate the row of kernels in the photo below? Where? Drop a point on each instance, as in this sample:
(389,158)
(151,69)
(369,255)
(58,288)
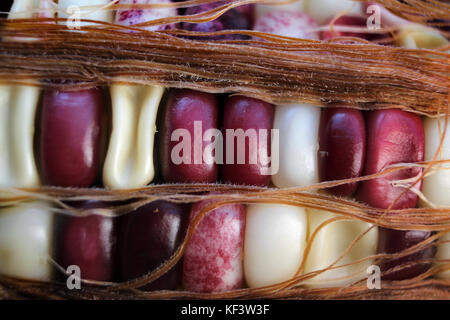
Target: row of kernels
(260,245)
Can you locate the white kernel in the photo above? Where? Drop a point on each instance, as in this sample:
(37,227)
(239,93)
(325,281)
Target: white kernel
(129,160)
(26,241)
(436,186)
(298,126)
(275,238)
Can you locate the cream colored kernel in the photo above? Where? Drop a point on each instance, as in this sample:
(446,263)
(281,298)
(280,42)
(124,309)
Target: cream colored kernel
(18,106)
(331,242)
(129,160)
(26,232)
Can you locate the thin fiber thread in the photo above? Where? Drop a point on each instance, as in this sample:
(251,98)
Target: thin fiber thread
(285,70)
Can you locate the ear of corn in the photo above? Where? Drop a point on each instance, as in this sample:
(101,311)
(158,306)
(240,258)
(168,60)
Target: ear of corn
(235,245)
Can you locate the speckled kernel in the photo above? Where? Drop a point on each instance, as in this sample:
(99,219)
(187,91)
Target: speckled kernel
(213,257)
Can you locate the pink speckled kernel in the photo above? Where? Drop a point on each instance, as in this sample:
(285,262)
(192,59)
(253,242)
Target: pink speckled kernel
(288,24)
(134,16)
(213,257)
